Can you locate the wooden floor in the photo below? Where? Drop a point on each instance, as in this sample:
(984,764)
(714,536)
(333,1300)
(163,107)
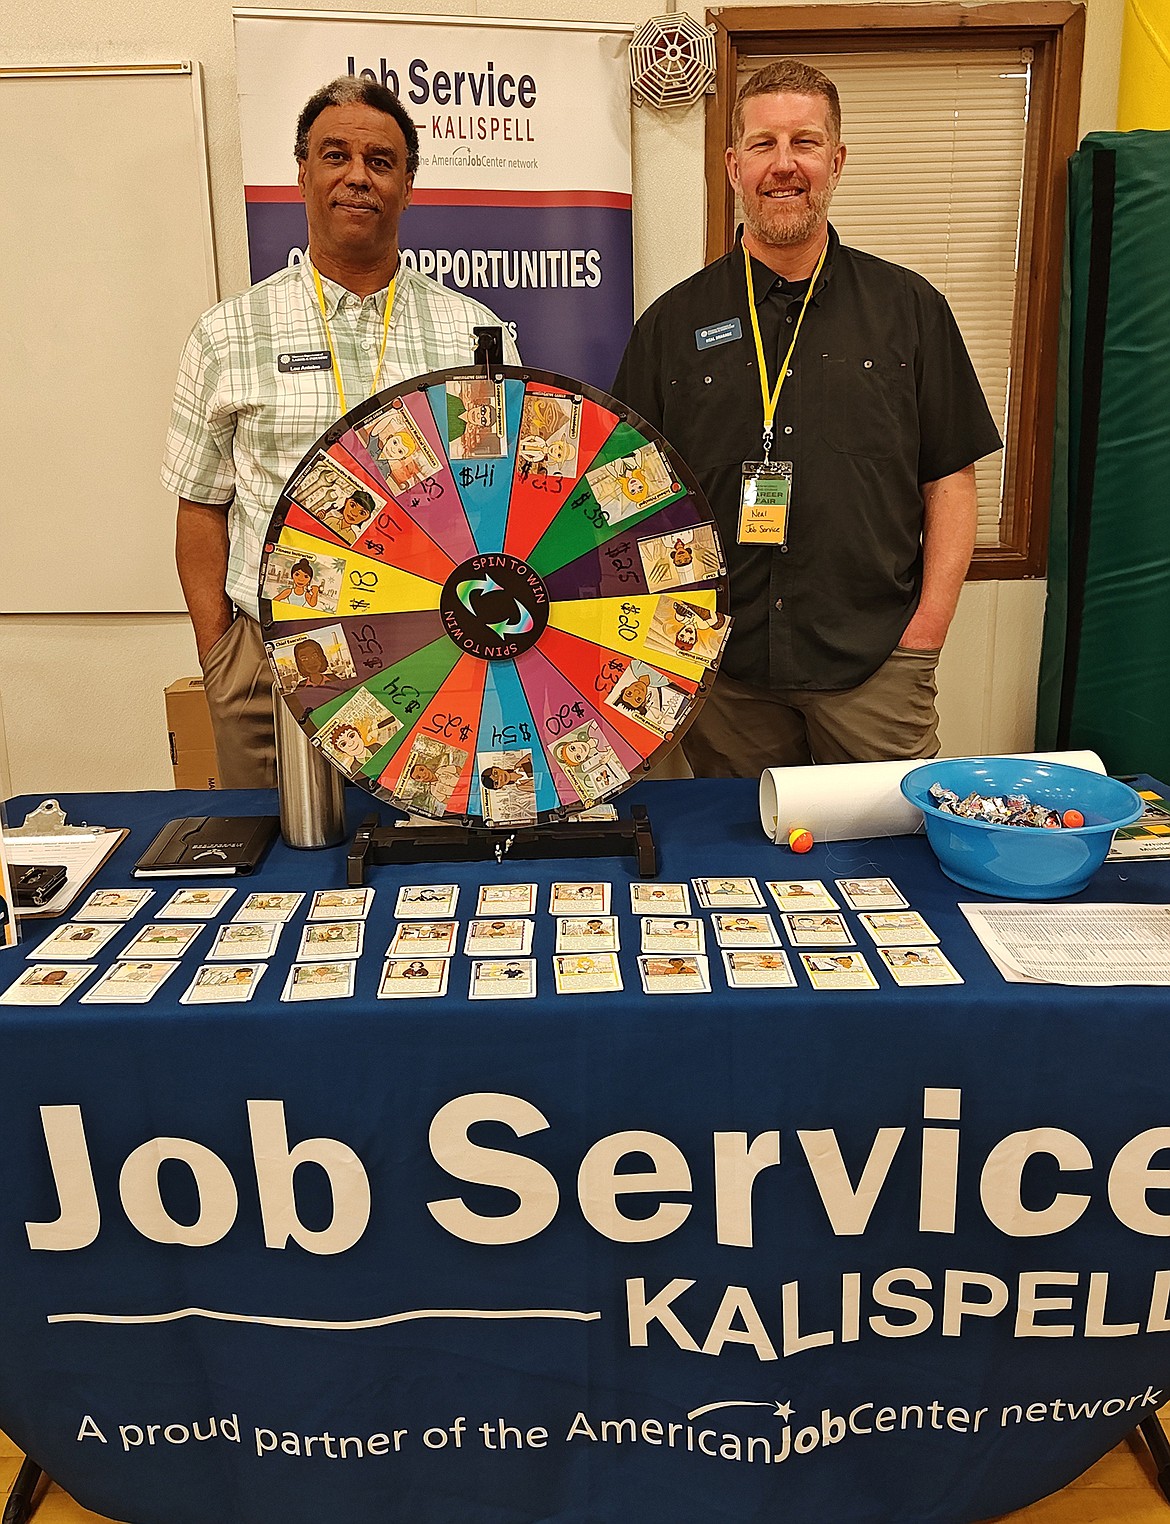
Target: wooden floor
(1119,1489)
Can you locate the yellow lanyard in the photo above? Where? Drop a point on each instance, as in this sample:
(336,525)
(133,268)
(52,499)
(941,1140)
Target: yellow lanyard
(329,337)
(772,398)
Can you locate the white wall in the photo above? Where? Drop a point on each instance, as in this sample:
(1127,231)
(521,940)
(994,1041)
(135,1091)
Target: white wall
(82,696)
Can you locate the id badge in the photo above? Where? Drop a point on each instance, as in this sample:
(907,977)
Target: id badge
(764,495)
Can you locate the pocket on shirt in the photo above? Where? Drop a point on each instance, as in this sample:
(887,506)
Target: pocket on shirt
(703,405)
(868,406)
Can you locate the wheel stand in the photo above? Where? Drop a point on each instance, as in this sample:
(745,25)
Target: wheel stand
(375,843)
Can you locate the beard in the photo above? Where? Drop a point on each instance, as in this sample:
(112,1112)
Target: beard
(782,223)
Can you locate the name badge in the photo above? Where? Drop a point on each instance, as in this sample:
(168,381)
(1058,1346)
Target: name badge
(718,333)
(308,359)
(764,498)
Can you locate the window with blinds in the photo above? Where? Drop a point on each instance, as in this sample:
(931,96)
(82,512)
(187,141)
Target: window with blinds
(934,180)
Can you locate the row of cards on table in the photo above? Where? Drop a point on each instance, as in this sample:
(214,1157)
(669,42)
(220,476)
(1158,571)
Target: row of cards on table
(672,941)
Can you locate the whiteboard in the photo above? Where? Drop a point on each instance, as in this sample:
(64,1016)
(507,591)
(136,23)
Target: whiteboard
(106,259)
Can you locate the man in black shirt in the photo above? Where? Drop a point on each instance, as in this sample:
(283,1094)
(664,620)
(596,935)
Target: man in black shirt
(847,550)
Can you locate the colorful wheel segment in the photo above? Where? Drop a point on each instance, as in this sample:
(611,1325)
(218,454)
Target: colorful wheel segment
(497,598)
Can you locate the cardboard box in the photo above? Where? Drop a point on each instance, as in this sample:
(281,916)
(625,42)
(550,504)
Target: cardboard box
(191,738)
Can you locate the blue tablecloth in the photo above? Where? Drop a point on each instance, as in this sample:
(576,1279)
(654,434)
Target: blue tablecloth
(457,1314)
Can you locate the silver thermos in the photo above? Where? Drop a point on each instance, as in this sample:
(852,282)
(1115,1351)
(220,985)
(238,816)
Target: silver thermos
(312,791)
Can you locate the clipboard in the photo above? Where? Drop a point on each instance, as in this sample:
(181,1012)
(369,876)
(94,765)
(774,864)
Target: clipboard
(47,837)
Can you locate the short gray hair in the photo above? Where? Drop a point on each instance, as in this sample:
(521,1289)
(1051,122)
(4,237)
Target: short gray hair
(346,90)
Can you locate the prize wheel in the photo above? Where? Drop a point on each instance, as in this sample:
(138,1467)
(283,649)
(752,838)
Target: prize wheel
(493,597)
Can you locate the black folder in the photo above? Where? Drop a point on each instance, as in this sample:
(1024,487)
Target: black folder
(207,844)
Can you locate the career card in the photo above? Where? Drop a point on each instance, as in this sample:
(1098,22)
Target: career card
(741,930)
(872,894)
(493,935)
(113,904)
(550,431)
(129,983)
(680,628)
(340,904)
(425,901)
(505,899)
(476,418)
(586,973)
(838,971)
(424,939)
(631,484)
(429,776)
(644,694)
(823,929)
(319,981)
(673,934)
(758,970)
(919,965)
(588,762)
(314,667)
(507,786)
(336,498)
(268,907)
(162,940)
(223,983)
(587,933)
(597,812)
(674,976)
(578,899)
(682,558)
(295,580)
(45,984)
(728,893)
(660,899)
(800,894)
(331,939)
(241,941)
(400,451)
(413,978)
(502,979)
(353,734)
(75,941)
(897,928)
(194,904)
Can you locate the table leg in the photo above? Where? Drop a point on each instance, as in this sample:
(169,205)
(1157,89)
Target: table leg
(19,1505)
(1155,1437)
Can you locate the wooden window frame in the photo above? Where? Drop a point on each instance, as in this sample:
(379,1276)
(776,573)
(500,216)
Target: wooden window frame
(1055,31)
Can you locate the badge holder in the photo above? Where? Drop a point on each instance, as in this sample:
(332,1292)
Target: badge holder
(375,843)
(764,496)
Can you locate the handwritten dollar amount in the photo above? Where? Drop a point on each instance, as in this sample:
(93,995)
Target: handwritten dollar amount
(629,621)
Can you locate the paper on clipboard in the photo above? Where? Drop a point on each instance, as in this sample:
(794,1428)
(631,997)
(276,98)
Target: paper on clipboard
(45,837)
(81,856)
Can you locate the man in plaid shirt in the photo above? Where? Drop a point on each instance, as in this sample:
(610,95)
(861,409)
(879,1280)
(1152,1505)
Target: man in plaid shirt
(256,387)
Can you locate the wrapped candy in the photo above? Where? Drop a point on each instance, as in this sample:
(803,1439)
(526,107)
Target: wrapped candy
(1012,809)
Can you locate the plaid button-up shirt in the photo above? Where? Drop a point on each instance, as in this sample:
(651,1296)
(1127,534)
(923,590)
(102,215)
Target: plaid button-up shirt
(240,425)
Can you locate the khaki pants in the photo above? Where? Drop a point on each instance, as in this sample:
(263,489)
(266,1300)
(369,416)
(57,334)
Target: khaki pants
(741,730)
(237,679)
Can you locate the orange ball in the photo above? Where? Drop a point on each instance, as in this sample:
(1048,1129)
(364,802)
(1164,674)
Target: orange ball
(1073,819)
(800,840)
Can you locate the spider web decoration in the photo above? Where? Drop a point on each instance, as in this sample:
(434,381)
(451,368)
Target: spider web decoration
(672,61)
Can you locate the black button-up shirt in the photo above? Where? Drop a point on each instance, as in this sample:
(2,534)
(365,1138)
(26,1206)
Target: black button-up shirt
(881,398)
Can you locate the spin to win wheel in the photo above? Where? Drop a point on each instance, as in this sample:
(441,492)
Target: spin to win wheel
(493,597)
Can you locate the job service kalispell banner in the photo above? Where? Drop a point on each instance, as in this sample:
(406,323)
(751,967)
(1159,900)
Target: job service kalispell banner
(522,198)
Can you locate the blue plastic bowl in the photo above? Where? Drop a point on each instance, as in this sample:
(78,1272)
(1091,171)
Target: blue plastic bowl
(1022,862)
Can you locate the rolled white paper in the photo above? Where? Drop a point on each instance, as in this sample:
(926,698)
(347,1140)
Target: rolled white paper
(850,800)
